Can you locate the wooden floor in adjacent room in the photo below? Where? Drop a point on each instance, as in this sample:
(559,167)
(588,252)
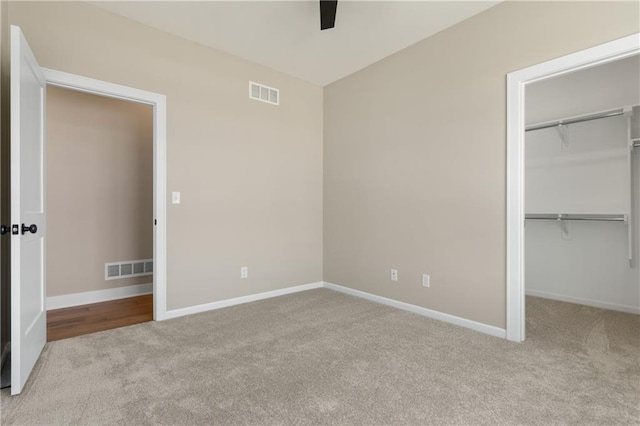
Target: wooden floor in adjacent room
(85,319)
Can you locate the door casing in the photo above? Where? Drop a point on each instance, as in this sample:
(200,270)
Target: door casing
(516,85)
(158,102)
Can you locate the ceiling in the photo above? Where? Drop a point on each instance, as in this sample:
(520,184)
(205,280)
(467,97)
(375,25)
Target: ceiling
(286,36)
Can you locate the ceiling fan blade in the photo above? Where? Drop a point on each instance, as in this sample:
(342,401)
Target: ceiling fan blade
(328,13)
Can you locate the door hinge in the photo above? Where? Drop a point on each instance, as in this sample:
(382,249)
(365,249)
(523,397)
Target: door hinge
(155,221)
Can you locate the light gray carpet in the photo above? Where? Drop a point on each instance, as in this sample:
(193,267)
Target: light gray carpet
(321,357)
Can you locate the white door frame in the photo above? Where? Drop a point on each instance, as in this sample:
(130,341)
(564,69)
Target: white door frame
(159,103)
(516,84)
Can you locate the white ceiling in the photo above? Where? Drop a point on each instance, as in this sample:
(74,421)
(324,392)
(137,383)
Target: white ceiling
(286,36)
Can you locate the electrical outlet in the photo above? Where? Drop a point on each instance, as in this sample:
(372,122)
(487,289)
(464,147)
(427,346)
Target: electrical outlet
(426,280)
(394,275)
(244,272)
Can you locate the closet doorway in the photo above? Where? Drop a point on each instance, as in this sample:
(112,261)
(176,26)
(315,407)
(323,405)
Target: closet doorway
(581,184)
(581,178)
(99,174)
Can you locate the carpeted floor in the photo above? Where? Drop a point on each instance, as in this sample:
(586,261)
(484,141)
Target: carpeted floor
(321,357)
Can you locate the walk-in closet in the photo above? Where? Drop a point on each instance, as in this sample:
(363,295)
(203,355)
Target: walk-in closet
(582,184)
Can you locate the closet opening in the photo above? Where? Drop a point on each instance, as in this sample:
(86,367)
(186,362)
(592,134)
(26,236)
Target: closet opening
(517,84)
(100,213)
(582,205)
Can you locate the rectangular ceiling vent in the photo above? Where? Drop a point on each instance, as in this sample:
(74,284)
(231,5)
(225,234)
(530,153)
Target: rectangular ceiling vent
(263,93)
(128,269)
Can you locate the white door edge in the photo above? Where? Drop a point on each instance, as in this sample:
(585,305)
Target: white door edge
(28,314)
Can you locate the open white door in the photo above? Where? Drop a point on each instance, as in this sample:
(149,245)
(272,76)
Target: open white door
(28,311)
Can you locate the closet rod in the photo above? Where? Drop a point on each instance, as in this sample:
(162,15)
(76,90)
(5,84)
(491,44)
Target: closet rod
(586,217)
(579,119)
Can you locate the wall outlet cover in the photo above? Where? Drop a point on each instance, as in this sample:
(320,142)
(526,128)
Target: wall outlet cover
(426,280)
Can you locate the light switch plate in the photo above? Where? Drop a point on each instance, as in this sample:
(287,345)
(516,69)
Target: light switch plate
(175,197)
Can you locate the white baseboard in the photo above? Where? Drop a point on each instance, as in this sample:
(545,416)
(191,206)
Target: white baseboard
(175,313)
(57,302)
(581,301)
(473,325)
(452,319)
(77,299)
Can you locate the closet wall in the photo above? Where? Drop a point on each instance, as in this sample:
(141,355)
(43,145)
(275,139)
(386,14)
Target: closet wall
(587,173)
(99,189)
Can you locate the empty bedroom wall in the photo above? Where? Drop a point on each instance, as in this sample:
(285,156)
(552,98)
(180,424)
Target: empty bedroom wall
(415,155)
(250,173)
(99,189)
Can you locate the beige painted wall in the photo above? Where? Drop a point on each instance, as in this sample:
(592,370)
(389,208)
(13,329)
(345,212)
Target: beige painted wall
(415,155)
(99,189)
(250,173)
(414,152)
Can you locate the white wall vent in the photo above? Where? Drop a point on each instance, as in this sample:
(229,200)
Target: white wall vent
(128,269)
(263,93)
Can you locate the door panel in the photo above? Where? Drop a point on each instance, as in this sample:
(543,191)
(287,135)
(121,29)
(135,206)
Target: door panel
(28,311)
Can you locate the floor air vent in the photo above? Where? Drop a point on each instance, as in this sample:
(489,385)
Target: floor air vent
(263,93)
(128,269)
